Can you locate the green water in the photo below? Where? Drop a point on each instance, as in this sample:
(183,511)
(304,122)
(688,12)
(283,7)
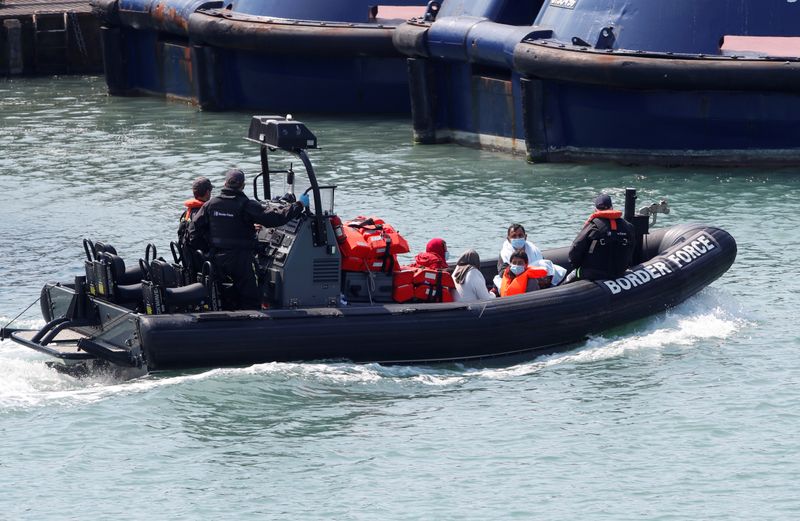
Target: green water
(691,414)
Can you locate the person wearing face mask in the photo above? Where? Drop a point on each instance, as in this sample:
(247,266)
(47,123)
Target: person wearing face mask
(517,240)
(434,257)
(520,277)
(469,281)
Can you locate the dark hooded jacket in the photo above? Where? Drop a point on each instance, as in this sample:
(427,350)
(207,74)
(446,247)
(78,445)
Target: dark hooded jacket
(226,221)
(604,247)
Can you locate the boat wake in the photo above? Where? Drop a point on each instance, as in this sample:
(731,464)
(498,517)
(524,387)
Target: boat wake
(708,318)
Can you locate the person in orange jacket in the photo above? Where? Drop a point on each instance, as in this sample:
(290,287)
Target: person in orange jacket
(519,277)
(201,189)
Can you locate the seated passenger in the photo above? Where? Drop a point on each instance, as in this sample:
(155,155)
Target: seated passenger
(434,257)
(555,274)
(517,239)
(520,277)
(201,189)
(470,284)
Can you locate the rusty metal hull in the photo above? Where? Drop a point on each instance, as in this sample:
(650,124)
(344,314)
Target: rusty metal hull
(221,59)
(658,108)
(565,89)
(275,36)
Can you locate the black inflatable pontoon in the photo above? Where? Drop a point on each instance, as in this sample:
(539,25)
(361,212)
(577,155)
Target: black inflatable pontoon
(141,327)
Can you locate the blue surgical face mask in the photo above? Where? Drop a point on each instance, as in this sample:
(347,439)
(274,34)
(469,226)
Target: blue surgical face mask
(516,269)
(518,244)
(446,256)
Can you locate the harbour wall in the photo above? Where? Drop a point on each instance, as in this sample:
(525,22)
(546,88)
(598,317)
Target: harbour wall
(40,38)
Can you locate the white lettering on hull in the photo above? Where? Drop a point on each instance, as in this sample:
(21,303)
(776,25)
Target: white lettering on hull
(685,255)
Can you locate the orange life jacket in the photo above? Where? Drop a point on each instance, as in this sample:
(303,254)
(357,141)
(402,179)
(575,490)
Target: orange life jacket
(519,284)
(369,244)
(422,284)
(403,285)
(611,215)
(191,205)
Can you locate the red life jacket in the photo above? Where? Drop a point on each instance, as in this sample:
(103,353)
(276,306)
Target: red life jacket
(611,215)
(519,284)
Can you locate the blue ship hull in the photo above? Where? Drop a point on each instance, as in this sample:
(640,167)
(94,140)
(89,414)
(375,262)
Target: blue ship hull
(565,88)
(330,58)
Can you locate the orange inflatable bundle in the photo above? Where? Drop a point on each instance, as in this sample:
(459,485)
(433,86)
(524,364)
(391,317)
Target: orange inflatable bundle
(371,245)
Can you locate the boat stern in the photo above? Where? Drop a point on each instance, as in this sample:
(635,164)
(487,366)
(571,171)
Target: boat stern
(82,332)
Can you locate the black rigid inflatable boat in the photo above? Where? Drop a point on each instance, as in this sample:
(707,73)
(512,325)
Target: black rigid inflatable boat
(160,323)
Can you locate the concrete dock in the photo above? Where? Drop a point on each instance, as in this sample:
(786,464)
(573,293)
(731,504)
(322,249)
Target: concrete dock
(41,37)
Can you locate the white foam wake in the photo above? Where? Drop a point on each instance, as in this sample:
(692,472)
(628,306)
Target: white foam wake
(708,316)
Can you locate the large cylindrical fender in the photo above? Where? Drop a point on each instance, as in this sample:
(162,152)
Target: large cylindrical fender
(290,37)
(411,38)
(561,62)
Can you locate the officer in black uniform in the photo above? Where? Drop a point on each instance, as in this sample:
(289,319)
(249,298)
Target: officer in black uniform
(604,247)
(226,224)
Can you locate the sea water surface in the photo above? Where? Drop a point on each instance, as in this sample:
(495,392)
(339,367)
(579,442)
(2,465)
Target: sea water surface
(690,414)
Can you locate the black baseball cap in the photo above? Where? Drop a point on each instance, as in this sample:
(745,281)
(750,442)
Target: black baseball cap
(234,178)
(602,202)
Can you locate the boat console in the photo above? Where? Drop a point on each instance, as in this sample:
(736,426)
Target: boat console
(294,271)
(298,264)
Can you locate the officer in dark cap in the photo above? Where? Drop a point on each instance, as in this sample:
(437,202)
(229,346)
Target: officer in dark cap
(226,224)
(604,247)
(201,189)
